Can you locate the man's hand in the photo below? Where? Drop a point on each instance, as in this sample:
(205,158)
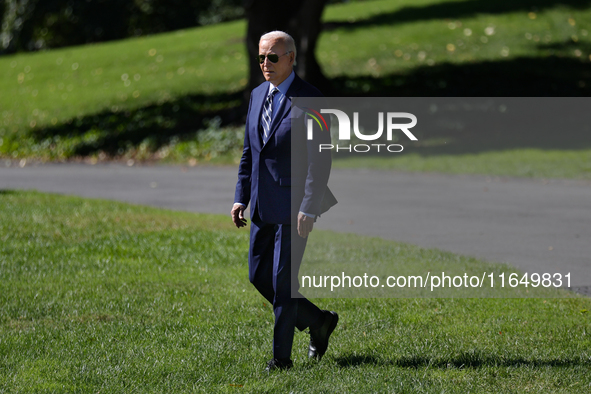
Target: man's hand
(238,215)
(305,225)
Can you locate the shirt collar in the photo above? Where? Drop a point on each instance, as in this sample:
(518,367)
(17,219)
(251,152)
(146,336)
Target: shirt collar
(284,86)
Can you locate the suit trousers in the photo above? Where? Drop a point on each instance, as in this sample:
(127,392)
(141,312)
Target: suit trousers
(274,250)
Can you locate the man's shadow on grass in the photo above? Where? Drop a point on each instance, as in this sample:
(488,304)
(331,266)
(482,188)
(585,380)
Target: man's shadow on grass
(464,360)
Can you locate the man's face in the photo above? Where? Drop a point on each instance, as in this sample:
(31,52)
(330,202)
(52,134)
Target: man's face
(276,72)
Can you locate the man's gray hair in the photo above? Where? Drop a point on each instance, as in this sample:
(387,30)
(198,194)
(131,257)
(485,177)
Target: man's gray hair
(283,36)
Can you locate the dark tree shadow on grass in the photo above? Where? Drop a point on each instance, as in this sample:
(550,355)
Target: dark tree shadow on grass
(551,76)
(117,130)
(457,10)
(568,45)
(114,132)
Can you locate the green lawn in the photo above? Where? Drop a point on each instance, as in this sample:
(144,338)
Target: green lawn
(524,162)
(97,296)
(381,37)
(147,98)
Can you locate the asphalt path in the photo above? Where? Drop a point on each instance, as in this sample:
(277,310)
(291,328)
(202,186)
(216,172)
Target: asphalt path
(541,226)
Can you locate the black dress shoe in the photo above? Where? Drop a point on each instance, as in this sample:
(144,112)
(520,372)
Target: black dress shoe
(276,364)
(319,337)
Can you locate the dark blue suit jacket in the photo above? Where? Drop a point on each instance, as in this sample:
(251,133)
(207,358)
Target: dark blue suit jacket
(288,174)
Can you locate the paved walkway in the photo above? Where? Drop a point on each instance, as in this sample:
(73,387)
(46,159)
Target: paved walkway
(535,225)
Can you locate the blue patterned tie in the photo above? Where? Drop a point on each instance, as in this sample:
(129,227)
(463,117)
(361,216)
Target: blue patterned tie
(268,115)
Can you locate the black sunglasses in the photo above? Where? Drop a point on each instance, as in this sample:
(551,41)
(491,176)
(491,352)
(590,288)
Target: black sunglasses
(273,58)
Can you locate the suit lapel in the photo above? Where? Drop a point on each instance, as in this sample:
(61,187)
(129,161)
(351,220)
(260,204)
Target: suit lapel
(284,108)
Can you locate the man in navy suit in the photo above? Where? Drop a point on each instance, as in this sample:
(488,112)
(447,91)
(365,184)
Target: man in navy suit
(283,176)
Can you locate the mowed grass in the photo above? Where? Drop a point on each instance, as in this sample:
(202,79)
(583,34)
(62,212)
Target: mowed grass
(369,38)
(97,296)
(50,88)
(524,162)
(380,37)
(140,88)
